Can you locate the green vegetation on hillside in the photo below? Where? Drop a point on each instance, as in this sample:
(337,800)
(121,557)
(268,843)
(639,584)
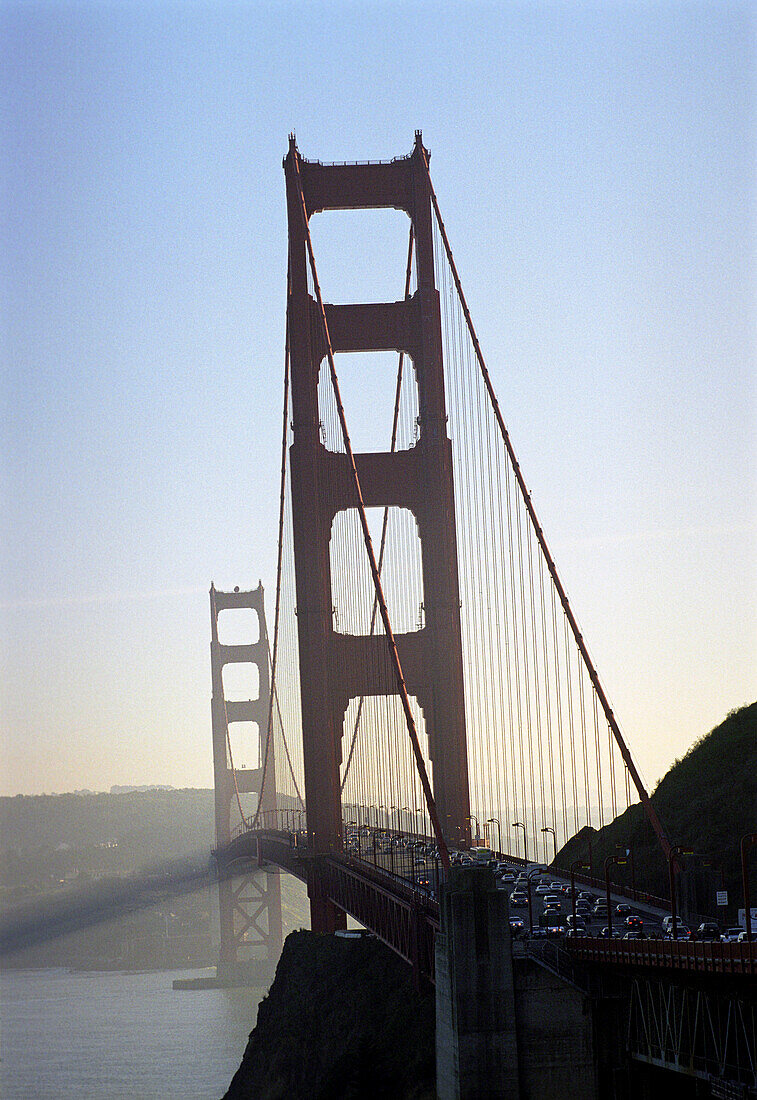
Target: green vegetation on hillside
(706,802)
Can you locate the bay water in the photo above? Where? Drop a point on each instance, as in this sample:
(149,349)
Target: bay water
(97,1035)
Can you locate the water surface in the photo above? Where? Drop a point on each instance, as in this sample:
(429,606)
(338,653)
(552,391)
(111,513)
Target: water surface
(115,1036)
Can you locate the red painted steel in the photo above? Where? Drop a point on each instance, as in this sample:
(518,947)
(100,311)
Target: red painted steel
(334,668)
(251,906)
(407,919)
(688,955)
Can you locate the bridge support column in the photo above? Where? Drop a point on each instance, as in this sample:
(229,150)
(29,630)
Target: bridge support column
(324,915)
(476,1043)
(249,904)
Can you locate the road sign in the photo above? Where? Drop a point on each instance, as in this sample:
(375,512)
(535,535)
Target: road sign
(722,897)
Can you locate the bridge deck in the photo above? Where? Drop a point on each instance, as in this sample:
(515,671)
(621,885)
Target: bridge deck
(406,918)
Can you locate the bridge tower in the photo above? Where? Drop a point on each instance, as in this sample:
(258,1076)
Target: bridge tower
(336,667)
(250,903)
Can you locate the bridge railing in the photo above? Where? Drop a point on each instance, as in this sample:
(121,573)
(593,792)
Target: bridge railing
(699,956)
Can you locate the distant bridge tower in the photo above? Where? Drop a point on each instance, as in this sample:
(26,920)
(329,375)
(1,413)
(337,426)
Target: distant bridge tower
(249,904)
(336,667)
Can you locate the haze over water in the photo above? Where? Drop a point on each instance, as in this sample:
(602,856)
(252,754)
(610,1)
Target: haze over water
(115,1036)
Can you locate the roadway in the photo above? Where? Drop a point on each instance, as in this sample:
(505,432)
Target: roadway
(410,858)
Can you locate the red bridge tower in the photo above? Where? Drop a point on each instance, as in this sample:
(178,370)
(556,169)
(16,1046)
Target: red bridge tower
(336,667)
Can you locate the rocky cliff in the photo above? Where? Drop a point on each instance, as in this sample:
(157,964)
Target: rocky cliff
(342,1019)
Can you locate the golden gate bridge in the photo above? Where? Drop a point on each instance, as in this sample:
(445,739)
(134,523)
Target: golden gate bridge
(426,675)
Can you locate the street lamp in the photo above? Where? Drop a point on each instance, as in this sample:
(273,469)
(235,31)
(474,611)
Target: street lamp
(748,841)
(620,861)
(535,871)
(632,861)
(575,866)
(548,829)
(418,810)
(676,850)
(495,821)
(472,817)
(520,825)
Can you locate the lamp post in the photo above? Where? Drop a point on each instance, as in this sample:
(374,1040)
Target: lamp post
(495,821)
(620,861)
(629,853)
(418,810)
(520,825)
(573,868)
(676,850)
(381,807)
(748,841)
(472,817)
(530,902)
(548,829)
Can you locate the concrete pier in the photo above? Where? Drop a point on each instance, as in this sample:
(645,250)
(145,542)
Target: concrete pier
(476,1041)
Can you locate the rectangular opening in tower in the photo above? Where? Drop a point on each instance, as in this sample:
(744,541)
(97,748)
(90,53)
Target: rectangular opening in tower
(238,626)
(361,255)
(352,588)
(368,388)
(241,681)
(379,775)
(244,738)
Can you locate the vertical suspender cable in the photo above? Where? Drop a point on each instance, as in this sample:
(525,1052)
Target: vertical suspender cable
(593,675)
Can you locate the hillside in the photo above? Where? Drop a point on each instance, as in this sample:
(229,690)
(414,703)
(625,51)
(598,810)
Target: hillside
(81,846)
(341,1019)
(706,802)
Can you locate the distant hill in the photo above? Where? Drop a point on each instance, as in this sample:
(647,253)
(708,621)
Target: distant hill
(706,802)
(44,838)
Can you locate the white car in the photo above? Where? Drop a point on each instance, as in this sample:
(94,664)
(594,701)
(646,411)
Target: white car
(731,935)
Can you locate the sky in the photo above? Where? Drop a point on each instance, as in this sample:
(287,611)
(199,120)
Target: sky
(594,164)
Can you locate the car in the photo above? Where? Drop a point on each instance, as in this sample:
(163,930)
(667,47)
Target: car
(518,901)
(554,930)
(622,909)
(608,935)
(553,899)
(583,907)
(635,936)
(543,888)
(517,927)
(634,923)
(588,896)
(682,930)
(707,930)
(575,922)
(506,876)
(574,933)
(731,935)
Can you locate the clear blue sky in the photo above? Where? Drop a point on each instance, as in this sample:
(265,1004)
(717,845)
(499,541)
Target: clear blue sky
(595,166)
